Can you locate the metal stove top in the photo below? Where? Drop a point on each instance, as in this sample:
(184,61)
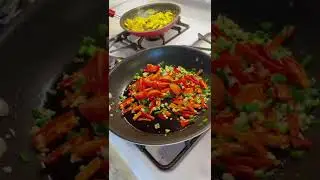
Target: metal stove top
(189,160)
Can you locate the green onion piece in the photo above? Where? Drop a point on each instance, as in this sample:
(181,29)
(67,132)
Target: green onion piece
(297,154)
(82,50)
(306,61)
(252,107)
(41,121)
(101,129)
(91,50)
(259,173)
(283,127)
(297,94)
(88,41)
(278,78)
(24,157)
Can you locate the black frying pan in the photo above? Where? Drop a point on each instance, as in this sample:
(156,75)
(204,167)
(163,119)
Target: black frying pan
(304,15)
(122,76)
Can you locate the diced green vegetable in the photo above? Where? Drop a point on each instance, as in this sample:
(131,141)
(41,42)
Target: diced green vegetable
(252,107)
(278,78)
(306,61)
(283,127)
(122,97)
(100,129)
(259,173)
(297,154)
(24,157)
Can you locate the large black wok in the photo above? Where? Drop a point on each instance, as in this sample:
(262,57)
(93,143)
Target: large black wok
(123,74)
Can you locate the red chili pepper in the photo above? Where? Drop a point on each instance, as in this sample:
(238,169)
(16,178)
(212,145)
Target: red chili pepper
(66,82)
(234,90)
(151,68)
(166,78)
(165,90)
(192,79)
(203,84)
(65,148)
(190,108)
(255,163)
(216,30)
(203,103)
(184,123)
(161,116)
(154,93)
(140,85)
(126,102)
(175,69)
(281,37)
(243,172)
(300,143)
(254,56)
(294,126)
(162,85)
(140,95)
(148,116)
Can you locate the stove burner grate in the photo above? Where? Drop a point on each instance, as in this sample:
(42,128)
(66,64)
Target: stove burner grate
(173,162)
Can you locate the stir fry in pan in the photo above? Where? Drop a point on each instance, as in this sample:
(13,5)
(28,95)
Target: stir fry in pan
(262,101)
(70,130)
(167,97)
(154,20)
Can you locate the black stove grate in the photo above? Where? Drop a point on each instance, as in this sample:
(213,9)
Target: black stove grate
(188,145)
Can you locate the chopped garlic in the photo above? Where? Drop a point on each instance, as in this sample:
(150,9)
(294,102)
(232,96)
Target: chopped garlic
(157,126)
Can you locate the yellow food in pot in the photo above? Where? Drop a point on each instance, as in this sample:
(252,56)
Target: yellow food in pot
(155,21)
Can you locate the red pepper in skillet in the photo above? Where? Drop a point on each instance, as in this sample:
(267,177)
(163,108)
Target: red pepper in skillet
(65,148)
(253,56)
(252,162)
(126,102)
(154,93)
(151,68)
(300,143)
(175,69)
(96,74)
(96,109)
(166,78)
(296,72)
(89,170)
(184,123)
(280,38)
(146,116)
(243,172)
(140,85)
(89,148)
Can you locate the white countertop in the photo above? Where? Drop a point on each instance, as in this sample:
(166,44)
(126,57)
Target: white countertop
(196,165)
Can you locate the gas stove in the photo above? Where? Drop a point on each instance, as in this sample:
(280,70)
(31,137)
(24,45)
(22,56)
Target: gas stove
(188,160)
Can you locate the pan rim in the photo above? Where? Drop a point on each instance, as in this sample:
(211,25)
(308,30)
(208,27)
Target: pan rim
(162,141)
(146,5)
